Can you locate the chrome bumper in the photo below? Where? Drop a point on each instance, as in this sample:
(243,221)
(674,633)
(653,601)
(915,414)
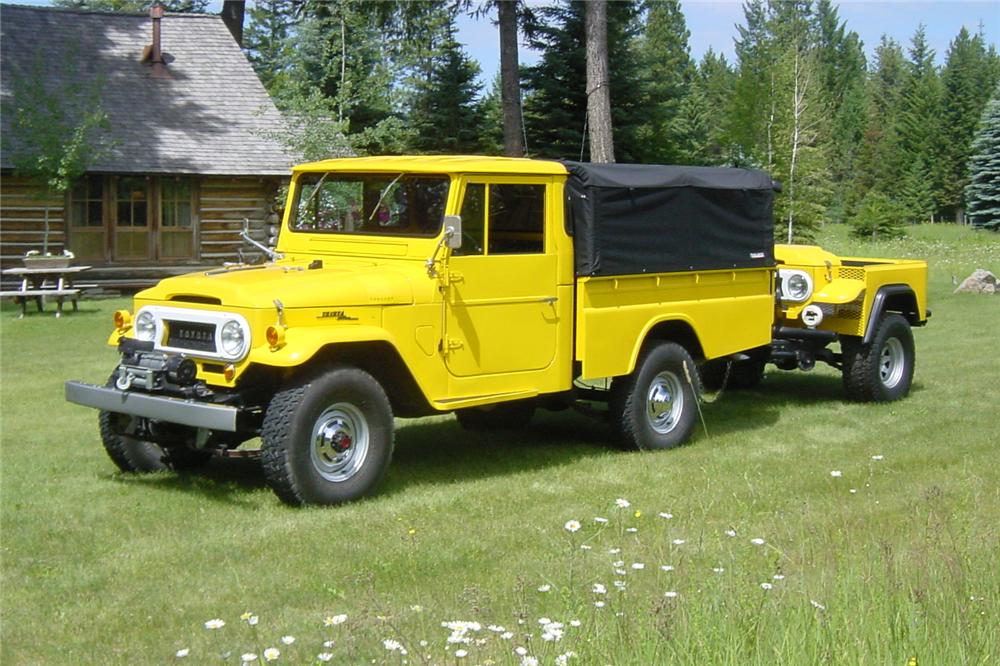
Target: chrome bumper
(171,410)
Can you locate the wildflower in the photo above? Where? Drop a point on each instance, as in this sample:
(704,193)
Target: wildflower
(730,533)
(637,514)
(632,529)
(416,608)
(328,644)
(393,645)
(248,657)
(246,616)
(520,651)
(678,542)
(544,620)
(585,547)
(817,605)
(878,457)
(620,584)
(598,519)
(638,566)
(667,567)
(423,643)
(757,541)
(766,586)
(334,620)
(215,624)
(779,576)
(529,661)
(575,623)
(614,551)
(562,659)
(411,531)
(854,491)
(836,473)
(553,632)
(718,569)
(623,503)
(600,589)
(496,628)
(621,572)
(544,588)
(507,635)
(461,653)
(664,514)
(183,653)
(270,654)
(324,656)
(572,525)
(253,620)
(618,563)
(288,640)
(670,595)
(599,604)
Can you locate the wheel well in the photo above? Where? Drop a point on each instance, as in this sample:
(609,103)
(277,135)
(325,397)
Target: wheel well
(382,361)
(904,303)
(675,331)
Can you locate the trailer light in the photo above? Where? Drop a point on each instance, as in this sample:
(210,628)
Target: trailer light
(812,316)
(796,286)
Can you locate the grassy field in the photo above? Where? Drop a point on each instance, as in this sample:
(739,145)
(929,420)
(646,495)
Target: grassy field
(800,530)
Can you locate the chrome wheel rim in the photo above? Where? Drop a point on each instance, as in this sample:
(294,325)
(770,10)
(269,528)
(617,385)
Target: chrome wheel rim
(664,402)
(339,442)
(891,363)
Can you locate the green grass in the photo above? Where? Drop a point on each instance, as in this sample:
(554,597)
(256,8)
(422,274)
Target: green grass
(100,567)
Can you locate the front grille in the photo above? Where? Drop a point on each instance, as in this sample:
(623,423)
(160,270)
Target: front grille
(191,335)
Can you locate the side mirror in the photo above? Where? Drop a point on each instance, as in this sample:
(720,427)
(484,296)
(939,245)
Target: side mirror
(453,231)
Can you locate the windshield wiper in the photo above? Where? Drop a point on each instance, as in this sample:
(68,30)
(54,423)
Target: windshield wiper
(382,198)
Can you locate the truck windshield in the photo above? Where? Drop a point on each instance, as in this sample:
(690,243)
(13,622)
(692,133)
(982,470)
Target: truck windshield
(397,204)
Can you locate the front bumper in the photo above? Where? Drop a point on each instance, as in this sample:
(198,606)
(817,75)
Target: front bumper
(160,408)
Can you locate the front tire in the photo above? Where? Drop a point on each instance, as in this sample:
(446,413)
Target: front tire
(656,406)
(881,371)
(329,440)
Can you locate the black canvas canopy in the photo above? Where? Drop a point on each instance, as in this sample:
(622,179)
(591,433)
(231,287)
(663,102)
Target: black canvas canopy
(630,219)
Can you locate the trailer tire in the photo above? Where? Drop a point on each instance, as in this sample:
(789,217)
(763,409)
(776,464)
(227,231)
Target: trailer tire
(882,370)
(656,407)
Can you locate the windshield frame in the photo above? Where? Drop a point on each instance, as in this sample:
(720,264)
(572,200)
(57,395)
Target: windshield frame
(386,181)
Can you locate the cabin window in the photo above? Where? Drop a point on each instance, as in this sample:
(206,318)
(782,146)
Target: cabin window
(176,218)
(87,237)
(132,218)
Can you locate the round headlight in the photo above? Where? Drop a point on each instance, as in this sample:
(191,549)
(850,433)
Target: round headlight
(795,286)
(232,338)
(145,326)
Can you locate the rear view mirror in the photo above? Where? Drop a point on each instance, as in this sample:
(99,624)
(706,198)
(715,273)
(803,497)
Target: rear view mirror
(453,231)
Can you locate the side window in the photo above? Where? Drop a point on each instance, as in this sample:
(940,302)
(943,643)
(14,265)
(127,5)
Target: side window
(473,220)
(517,214)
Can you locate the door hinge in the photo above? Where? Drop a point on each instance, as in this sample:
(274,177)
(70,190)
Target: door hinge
(451,344)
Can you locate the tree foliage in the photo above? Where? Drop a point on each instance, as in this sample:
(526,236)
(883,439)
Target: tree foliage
(982,194)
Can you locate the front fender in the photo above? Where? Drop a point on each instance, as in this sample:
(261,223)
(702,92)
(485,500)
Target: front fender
(301,344)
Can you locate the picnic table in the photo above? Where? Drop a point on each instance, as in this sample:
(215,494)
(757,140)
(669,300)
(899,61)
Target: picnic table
(41,283)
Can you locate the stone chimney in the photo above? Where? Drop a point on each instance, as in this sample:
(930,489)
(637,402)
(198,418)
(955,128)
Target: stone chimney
(232,15)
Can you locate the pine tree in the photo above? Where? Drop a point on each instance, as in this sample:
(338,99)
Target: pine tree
(982,195)
(266,41)
(750,113)
(445,112)
(920,114)
(667,64)
(700,125)
(881,161)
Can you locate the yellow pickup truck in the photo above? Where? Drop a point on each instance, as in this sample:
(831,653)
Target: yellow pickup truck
(489,287)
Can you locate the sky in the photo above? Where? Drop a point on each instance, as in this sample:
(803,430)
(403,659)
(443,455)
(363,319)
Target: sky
(712,24)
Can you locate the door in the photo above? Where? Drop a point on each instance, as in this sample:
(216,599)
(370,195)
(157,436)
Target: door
(131,219)
(501,314)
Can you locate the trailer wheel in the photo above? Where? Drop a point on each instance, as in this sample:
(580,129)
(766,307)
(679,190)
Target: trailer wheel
(656,406)
(881,371)
(329,440)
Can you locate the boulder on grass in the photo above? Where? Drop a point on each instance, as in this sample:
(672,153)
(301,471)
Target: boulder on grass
(980,282)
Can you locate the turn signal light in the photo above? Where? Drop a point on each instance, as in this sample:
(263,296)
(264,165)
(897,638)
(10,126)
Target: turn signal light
(123,319)
(275,336)
(229,372)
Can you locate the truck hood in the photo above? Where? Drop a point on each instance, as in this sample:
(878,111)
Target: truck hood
(295,284)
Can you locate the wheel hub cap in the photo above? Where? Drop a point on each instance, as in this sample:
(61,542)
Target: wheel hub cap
(891,363)
(339,442)
(665,402)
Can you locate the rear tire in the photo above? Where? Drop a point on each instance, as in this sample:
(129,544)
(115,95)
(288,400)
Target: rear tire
(329,440)
(504,416)
(656,406)
(881,371)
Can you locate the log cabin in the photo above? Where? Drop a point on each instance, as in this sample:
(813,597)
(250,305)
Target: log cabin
(190,147)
